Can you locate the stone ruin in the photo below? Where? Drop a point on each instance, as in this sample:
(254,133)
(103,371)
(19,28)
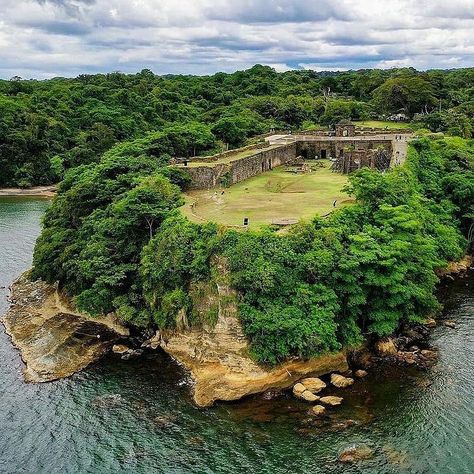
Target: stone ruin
(348,147)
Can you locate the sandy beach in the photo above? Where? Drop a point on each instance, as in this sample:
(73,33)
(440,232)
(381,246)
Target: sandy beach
(37,191)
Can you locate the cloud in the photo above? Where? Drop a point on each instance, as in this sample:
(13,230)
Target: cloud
(45,38)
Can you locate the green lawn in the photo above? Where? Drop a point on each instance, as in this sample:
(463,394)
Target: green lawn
(276,194)
(382,124)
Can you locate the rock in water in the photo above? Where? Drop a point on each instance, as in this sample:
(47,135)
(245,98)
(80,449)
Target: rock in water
(154,342)
(119,349)
(385,347)
(449,324)
(319,410)
(298,389)
(430,323)
(340,381)
(54,341)
(308,396)
(331,400)
(356,453)
(360,373)
(313,384)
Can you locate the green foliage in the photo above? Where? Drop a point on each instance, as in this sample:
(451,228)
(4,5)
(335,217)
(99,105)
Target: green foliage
(115,240)
(97,226)
(79,119)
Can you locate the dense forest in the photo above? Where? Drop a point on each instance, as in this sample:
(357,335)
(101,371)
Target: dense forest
(47,127)
(116,241)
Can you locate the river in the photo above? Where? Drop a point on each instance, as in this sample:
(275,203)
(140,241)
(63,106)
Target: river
(137,416)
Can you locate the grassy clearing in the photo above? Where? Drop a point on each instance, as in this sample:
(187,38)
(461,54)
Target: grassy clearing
(383,124)
(276,194)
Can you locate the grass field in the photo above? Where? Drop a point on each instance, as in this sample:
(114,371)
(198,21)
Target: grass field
(382,124)
(276,194)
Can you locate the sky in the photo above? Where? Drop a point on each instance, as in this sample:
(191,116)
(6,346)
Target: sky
(48,38)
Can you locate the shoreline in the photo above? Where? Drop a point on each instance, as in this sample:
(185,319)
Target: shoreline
(35,191)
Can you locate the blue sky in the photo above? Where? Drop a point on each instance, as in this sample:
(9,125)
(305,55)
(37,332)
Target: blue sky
(47,38)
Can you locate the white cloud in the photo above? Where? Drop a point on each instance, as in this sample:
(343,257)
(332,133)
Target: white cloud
(43,38)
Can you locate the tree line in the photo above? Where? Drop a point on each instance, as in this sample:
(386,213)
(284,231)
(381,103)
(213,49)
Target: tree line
(50,126)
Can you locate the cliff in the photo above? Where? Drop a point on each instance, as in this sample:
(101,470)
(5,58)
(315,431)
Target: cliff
(54,341)
(217,355)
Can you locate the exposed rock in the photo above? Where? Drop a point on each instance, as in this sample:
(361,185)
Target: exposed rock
(455,268)
(429,354)
(153,342)
(385,347)
(313,384)
(308,396)
(131,354)
(449,324)
(53,339)
(319,410)
(298,389)
(408,358)
(120,349)
(360,373)
(331,400)
(356,453)
(361,358)
(340,381)
(217,355)
(430,323)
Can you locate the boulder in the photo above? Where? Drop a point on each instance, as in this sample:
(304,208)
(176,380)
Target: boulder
(131,354)
(319,410)
(331,400)
(340,381)
(429,354)
(153,342)
(449,324)
(313,384)
(356,453)
(120,349)
(360,373)
(298,389)
(430,323)
(385,347)
(308,396)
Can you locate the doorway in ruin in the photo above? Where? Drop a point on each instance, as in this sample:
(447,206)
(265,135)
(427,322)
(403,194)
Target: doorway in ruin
(270,164)
(263,166)
(323,154)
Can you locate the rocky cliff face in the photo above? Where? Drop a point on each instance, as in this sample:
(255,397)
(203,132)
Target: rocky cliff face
(54,341)
(217,355)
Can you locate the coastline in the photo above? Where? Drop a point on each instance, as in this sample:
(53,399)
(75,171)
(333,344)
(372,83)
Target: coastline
(35,191)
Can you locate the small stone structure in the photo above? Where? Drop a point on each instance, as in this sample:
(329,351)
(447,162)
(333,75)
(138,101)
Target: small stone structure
(345,128)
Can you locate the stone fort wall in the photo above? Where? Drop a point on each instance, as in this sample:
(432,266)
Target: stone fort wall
(225,174)
(333,149)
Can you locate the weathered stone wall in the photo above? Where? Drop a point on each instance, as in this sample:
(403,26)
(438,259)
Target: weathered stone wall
(212,173)
(217,174)
(334,149)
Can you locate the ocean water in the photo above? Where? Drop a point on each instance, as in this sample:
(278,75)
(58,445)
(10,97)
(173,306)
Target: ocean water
(138,416)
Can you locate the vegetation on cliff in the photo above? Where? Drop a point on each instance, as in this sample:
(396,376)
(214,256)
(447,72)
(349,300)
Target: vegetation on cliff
(49,126)
(115,240)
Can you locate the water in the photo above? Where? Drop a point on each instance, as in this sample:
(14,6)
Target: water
(137,416)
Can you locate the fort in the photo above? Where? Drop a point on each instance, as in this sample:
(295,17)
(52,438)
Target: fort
(347,147)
